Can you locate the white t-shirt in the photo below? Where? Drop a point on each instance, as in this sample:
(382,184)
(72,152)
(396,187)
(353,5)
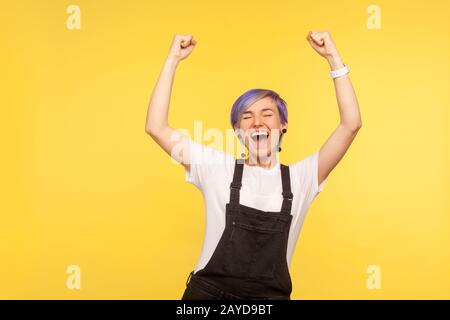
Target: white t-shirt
(212,172)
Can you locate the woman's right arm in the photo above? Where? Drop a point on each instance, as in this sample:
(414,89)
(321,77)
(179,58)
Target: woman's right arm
(157,125)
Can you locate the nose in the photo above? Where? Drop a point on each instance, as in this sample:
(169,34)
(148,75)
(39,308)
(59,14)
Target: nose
(257,121)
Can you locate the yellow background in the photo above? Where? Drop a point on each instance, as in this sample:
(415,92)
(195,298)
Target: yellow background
(83,184)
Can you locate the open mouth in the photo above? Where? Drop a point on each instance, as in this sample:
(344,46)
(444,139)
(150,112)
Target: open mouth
(258,136)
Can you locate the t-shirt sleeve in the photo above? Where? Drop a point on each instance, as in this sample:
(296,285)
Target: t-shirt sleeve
(203,161)
(307,171)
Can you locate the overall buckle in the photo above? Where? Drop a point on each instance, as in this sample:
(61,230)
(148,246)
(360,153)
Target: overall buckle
(235,186)
(287,195)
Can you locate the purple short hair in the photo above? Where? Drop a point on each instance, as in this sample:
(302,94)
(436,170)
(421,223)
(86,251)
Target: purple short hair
(253,95)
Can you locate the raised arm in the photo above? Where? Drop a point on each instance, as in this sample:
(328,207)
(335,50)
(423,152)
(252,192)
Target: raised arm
(157,125)
(342,137)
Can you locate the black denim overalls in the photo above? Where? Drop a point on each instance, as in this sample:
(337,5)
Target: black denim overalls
(249,261)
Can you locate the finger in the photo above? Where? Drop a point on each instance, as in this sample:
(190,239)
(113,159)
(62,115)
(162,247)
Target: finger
(186,40)
(313,44)
(187,37)
(185,43)
(315,35)
(191,44)
(325,36)
(317,39)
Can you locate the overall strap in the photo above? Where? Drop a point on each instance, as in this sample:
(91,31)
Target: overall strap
(287,194)
(236,184)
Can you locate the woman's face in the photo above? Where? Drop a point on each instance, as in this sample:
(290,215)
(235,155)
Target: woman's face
(260,126)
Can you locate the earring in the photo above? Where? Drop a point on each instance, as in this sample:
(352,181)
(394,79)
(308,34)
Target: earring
(279,143)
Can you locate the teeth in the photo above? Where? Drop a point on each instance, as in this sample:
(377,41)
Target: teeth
(259,133)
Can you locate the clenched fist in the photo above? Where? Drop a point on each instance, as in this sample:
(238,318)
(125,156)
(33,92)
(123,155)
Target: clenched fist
(322,43)
(182,46)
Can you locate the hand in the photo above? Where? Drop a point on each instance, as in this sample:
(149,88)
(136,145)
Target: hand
(322,43)
(182,46)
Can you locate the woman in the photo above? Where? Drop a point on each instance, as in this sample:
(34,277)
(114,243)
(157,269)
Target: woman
(255,206)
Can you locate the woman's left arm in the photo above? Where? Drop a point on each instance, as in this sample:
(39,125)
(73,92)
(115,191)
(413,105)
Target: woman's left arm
(340,140)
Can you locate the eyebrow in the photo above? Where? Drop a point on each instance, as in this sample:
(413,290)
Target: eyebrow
(265,109)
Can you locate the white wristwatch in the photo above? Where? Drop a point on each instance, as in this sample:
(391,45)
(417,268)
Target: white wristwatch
(339,72)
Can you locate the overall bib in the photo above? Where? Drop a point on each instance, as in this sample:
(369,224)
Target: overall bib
(249,261)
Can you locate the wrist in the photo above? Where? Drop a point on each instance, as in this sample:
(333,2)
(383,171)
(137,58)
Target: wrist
(335,62)
(172,60)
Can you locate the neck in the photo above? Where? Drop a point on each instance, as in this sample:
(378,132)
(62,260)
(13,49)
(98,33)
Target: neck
(263,162)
